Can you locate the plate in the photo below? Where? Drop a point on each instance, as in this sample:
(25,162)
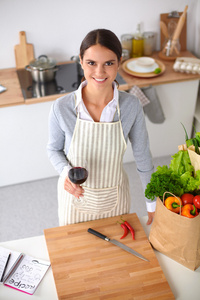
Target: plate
(131,67)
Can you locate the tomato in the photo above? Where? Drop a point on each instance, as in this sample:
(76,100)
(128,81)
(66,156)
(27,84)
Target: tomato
(187,198)
(196,201)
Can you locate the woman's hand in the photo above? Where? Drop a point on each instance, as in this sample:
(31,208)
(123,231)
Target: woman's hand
(72,188)
(150,217)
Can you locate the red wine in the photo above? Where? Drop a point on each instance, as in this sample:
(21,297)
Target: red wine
(78,175)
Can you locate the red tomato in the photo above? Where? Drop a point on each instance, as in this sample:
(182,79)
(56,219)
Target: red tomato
(196,201)
(187,198)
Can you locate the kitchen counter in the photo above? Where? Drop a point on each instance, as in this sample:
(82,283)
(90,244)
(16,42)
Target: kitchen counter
(183,282)
(169,76)
(13,95)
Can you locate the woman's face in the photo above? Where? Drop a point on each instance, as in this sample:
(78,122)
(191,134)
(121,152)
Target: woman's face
(100,66)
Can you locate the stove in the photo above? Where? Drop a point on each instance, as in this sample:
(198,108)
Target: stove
(67,80)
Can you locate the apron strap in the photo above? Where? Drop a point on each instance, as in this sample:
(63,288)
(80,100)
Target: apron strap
(77,113)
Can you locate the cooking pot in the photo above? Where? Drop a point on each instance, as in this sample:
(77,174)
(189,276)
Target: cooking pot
(43,69)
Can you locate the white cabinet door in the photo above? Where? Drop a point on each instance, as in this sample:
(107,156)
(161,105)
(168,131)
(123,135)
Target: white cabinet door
(178,101)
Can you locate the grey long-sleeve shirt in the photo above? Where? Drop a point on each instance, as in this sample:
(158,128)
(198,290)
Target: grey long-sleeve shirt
(62,120)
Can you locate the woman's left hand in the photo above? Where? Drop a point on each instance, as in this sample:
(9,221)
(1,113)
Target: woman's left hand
(150,217)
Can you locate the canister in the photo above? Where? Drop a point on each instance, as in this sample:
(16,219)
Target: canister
(149,42)
(126,41)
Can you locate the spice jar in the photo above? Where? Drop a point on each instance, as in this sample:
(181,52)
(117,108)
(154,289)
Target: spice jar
(149,42)
(126,41)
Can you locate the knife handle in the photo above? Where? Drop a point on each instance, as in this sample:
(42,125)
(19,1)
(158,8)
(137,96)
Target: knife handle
(98,234)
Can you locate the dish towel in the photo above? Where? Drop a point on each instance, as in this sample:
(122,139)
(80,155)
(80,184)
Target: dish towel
(154,109)
(136,91)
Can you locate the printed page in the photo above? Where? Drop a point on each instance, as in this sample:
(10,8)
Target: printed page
(28,274)
(4,256)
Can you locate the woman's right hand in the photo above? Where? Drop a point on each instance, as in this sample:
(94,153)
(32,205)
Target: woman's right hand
(72,188)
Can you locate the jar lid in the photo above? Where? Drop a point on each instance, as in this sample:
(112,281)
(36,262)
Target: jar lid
(149,34)
(126,36)
(42,63)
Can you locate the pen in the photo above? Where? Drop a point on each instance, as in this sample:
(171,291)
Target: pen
(5,267)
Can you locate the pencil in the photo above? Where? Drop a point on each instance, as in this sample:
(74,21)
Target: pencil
(5,267)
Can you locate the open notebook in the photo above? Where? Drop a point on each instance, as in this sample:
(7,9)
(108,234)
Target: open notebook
(20,271)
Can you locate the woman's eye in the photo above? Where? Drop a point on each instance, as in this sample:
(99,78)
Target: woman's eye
(91,63)
(109,63)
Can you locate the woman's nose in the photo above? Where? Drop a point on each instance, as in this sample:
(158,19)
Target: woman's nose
(99,69)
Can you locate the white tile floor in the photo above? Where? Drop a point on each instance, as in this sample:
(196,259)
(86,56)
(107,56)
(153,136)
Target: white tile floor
(27,209)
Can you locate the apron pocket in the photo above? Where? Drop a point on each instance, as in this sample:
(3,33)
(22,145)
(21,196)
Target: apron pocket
(97,201)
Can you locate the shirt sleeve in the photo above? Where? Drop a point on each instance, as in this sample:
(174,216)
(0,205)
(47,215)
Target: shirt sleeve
(139,139)
(56,141)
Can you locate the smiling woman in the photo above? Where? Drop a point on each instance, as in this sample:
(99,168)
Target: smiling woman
(95,123)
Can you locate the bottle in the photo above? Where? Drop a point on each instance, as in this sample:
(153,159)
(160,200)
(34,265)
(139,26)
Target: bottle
(138,43)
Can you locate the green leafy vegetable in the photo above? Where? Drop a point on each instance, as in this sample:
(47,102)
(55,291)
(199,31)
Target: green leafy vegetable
(178,178)
(164,179)
(193,141)
(181,163)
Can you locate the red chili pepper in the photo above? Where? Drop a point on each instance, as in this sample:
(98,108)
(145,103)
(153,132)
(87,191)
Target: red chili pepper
(130,228)
(125,230)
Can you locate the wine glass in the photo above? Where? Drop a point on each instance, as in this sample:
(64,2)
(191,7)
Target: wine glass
(78,174)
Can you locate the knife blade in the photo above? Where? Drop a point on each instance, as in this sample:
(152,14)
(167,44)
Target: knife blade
(116,243)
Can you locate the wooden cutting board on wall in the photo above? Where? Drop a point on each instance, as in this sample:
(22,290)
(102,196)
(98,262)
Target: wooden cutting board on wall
(87,267)
(24,52)
(183,35)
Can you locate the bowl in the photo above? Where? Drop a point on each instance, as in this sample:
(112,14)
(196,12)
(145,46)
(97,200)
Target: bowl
(145,61)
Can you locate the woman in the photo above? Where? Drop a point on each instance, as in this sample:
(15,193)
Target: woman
(95,123)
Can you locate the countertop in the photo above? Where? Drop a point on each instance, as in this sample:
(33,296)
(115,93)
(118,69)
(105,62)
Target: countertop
(183,282)
(13,95)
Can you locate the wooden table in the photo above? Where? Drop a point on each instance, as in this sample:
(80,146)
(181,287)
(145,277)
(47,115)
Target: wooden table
(178,277)
(86,267)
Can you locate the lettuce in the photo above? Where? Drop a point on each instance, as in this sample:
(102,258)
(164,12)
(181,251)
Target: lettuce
(181,163)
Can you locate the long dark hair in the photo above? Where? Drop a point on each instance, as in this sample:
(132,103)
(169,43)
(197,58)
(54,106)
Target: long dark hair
(105,38)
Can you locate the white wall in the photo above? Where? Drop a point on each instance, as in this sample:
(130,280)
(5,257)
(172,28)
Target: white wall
(57,27)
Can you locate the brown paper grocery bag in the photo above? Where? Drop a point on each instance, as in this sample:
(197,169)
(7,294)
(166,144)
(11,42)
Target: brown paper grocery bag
(176,236)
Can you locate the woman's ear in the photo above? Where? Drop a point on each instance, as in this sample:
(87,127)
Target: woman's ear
(81,61)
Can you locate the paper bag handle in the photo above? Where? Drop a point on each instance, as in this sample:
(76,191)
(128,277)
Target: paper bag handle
(173,196)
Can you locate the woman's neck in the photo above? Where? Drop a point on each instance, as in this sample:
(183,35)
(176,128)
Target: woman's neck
(95,101)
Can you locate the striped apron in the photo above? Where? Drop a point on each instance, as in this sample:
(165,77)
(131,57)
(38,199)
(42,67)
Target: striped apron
(106,190)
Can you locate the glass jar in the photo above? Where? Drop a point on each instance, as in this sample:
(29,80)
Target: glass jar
(149,42)
(126,41)
(125,54)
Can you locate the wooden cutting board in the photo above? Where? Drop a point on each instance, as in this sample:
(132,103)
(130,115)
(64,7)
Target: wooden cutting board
(24,52)
(87,267)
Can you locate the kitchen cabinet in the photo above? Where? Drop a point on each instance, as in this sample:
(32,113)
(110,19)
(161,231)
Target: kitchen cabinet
(24,124)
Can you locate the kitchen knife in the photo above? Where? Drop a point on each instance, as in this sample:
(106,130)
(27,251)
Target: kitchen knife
(116,243)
